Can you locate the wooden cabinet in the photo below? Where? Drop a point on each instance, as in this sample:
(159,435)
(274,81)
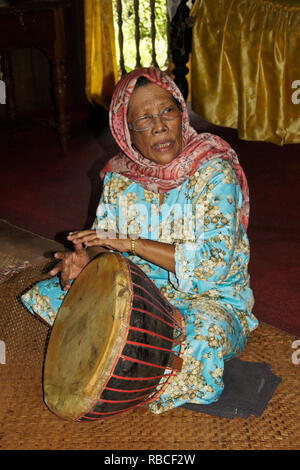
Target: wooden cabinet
(37,24)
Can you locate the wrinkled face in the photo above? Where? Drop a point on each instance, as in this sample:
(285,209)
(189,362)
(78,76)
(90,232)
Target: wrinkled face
(161,143)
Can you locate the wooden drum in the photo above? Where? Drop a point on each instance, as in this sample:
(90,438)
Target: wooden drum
(111,345)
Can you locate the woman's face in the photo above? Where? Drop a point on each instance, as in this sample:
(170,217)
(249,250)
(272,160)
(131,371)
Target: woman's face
(161,143)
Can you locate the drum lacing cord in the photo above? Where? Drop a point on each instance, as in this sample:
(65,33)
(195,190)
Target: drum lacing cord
(142,275)
(175,341)
(165,312)
(158,318)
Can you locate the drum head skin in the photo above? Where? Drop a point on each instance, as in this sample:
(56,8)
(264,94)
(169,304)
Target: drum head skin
(87,336)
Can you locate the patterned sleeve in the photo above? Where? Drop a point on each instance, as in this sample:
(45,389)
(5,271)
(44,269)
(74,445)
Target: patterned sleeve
(106,211)
(204,261)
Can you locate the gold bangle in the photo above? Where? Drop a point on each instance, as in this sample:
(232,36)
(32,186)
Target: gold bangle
(132,248)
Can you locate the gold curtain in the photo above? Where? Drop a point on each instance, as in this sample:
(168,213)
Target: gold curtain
(101,72)
(245,66)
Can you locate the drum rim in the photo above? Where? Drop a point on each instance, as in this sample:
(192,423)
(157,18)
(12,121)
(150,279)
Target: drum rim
(112,356)
(118,346)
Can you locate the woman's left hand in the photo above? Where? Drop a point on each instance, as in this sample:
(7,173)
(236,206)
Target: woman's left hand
(110,240)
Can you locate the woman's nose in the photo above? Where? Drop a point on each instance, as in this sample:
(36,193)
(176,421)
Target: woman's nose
(158,125)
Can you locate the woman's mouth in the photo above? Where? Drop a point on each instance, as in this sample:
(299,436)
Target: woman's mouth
(163,146)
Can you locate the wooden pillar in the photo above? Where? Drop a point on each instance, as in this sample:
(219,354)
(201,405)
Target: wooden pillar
(60,77)
(181,44)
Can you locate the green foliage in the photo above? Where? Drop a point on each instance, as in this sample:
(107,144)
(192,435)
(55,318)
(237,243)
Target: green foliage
(128,28)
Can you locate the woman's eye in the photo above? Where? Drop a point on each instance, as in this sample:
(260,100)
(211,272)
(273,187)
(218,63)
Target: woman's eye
(169,110)
(144,118)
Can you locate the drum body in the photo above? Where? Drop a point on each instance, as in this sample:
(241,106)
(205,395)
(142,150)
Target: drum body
(112,344)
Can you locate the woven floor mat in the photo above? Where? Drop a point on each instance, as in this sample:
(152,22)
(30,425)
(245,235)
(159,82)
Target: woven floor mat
(10,266)
(26,423)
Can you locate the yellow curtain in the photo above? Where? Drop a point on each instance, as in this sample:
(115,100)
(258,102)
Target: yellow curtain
(101,72)
(245,67)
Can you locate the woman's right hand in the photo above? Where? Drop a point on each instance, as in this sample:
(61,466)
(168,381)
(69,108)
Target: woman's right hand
(71,265)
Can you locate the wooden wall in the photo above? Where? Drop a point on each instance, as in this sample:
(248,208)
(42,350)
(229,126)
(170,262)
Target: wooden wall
(31,69)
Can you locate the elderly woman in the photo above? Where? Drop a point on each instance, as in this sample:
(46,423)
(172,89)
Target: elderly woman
(176,203)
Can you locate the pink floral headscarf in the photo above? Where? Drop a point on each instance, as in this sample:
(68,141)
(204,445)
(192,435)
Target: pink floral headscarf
(197,149)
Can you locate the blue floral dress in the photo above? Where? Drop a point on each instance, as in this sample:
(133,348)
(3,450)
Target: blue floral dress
(210,285)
